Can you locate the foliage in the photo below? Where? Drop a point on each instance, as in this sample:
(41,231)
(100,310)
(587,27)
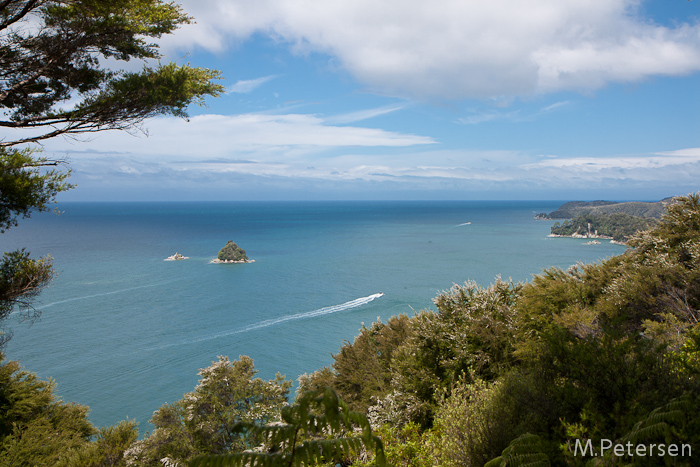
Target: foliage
(203,421)
(21,280)
(471,334)
(232,252)
(475,422)
(406,446)
(318,428)
(672,423)
(574,209)
(60,59)
(316,381)
(363,368)
(524,451)
(106,449)
(24,188)
(37,429)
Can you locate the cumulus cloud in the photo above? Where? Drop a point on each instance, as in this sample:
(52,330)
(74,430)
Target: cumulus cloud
(459,48)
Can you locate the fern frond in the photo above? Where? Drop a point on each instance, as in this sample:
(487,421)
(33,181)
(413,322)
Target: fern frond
(301,439)
(524,451)
(659,421)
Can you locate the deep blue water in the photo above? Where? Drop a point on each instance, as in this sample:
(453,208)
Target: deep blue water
(124,331)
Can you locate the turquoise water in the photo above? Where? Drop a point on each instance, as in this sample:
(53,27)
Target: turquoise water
(124,331)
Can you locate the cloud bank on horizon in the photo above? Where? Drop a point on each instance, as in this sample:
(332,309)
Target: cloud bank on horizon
(464,98)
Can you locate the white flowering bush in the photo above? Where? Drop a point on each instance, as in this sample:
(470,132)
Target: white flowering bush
(202,421)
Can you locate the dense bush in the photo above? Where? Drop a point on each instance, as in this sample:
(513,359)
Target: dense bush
(202,421)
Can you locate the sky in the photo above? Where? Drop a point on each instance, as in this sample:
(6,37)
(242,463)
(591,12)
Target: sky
(453,99)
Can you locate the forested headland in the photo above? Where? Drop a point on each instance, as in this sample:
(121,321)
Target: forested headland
(605,219)
(619,227)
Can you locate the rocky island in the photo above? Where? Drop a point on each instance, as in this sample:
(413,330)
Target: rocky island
(176,257)
(232,253)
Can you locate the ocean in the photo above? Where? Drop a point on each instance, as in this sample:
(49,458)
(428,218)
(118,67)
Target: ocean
(123,331)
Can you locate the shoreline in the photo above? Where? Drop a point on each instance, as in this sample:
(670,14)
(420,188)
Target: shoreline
(599,237)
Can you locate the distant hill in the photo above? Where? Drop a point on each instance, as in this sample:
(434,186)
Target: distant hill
(575,209)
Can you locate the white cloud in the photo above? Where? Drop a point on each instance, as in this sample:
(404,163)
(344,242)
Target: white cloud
(457,173)
(249,85)
(460,48)
(663,160)
(218,136)
(555,106)
(688,152)
(360,115)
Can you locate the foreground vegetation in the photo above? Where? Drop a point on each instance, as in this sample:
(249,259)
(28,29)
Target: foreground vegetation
(505,375)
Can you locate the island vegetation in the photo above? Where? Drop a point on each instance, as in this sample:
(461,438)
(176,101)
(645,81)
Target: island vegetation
(231,253)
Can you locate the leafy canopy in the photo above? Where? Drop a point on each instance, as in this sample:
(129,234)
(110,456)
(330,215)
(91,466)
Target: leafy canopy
(203,421)
(52,52)
(25,186)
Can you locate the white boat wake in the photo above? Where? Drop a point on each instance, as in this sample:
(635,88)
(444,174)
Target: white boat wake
(271,322)
(114,292)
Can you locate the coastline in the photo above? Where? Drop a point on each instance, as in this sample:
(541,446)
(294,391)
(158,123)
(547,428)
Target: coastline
(593,236)
(578,235)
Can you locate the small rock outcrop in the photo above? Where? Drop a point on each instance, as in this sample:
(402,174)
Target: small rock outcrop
(176,257)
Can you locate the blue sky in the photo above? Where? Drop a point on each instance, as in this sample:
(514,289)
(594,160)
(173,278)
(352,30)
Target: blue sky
(458,99)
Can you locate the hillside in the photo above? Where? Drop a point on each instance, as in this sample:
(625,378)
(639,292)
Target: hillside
(617,226)
(575,209)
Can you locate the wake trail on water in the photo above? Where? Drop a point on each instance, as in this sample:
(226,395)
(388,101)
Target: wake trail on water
(74,299)
(271,322)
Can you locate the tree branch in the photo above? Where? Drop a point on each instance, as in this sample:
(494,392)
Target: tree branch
(29,6)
